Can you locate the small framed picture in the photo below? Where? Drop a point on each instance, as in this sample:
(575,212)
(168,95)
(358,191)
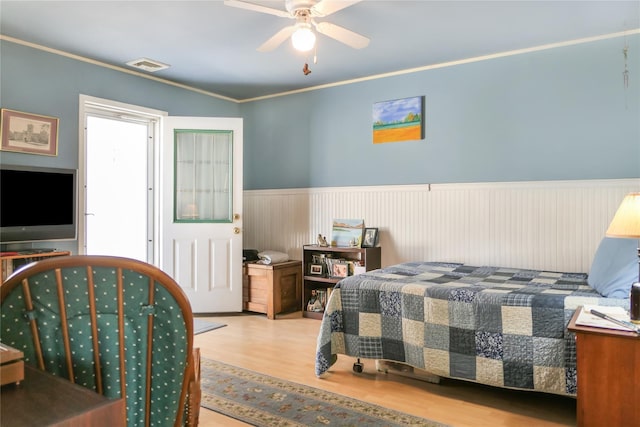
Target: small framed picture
(340,270)
(29,133)
(315,269)
(370,238)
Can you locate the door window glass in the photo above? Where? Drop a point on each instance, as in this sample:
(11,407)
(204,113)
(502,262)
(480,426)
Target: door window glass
(203,174)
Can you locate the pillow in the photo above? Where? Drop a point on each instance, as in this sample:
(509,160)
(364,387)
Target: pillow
(272,257)
(614,267)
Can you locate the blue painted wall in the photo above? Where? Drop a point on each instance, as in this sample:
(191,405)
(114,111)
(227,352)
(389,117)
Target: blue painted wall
(558,114)
(39,82)
(562,113)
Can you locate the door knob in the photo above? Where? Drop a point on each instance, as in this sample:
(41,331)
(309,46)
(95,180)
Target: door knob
(236,230)
(236,217)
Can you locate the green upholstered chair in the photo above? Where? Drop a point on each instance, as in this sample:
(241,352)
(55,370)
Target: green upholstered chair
(115,325)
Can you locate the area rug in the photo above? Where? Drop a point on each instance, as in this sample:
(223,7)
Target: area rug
(264,401)
(200,326)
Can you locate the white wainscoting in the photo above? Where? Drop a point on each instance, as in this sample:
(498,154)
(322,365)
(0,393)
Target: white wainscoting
(551,225)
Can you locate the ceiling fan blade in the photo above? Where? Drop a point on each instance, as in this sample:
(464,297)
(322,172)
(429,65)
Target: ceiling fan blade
(327,7)
(257,8)
(343,35)
(277,39)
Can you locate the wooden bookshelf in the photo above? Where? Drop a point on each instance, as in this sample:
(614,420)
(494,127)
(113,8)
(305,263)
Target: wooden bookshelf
(312,280)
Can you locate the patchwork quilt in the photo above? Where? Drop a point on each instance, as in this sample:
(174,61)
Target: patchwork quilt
(497,326)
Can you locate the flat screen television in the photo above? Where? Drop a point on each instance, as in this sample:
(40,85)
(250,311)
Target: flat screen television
(37,203)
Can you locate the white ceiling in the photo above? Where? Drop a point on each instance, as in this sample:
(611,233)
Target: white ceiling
(212,47)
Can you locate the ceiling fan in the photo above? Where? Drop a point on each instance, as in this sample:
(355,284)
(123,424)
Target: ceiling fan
(301,33)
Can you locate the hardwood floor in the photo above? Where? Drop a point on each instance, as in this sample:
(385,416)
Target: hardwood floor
(285,348)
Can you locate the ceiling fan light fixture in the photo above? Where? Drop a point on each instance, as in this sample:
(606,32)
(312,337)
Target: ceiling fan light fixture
(303,39)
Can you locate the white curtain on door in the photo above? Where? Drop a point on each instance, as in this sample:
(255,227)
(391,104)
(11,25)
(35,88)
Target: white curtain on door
(203,176)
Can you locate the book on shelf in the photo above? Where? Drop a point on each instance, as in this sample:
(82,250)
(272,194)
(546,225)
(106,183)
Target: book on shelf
(322,296)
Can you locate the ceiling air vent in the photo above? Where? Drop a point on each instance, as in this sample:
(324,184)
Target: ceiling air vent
(148,65)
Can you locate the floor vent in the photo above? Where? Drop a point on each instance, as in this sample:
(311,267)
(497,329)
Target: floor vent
(148,65)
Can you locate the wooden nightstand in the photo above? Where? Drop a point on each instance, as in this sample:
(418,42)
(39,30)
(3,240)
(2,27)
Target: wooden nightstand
(272,288)
(608,363)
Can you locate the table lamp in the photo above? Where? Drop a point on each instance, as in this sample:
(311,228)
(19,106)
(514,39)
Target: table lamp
(626,224)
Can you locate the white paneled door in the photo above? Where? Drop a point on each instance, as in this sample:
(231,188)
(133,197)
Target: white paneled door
(201,210)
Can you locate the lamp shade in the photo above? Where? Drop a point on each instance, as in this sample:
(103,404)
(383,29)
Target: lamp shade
(626,222)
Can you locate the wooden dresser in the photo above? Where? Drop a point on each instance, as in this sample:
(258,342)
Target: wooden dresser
(273,288)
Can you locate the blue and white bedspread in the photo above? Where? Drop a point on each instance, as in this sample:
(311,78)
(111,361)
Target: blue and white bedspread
(497,326)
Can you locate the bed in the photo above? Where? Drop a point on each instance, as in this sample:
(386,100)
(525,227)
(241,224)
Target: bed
(497,326)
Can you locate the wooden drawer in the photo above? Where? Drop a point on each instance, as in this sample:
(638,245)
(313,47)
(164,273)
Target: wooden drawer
(272,289)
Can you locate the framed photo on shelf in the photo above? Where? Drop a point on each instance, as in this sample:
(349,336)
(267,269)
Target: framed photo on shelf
(340,270)
(29,133)
(315,269)
(370,238)
(315,303)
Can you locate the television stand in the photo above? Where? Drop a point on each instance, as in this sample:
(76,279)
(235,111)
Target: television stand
(12,260)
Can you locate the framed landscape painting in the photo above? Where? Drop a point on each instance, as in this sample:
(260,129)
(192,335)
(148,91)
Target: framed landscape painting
(398,120)
(347,232)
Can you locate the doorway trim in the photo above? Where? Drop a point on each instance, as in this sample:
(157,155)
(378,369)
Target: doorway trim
(97,106)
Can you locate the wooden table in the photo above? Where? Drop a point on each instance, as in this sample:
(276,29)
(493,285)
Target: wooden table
(43,399)
(608,363)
